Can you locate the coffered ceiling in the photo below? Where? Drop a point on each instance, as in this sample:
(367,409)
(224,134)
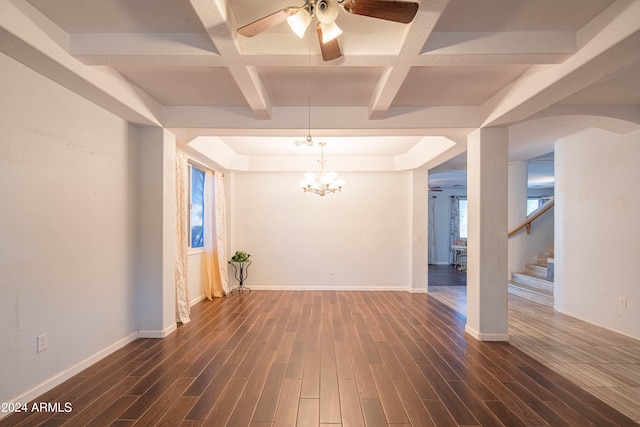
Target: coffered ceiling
(402,96)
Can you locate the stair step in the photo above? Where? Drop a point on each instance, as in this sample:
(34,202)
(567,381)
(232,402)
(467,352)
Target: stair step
(532,282)
(536,270)
(542,260)
(531,294)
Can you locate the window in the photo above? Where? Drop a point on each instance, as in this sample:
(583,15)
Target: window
(196,204)
(534,203)
(462,211)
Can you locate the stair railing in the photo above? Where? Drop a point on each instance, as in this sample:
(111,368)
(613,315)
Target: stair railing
(535,215)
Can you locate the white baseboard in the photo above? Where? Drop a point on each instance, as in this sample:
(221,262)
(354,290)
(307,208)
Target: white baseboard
(333,288)
(145,333)
(486,337)
(197,300)
(61,377)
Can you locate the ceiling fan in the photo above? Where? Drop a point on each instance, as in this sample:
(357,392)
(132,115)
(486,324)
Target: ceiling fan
(325,12)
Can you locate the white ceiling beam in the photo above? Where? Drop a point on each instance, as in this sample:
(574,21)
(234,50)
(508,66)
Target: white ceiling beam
(189,122)
(145,49)
(461,60)
(415,38)
(501,43)
(218,24)
(504,48)
(32,39)
(616,45)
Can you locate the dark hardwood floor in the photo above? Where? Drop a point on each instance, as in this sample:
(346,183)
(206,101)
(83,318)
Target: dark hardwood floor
(274,358)
(446,275)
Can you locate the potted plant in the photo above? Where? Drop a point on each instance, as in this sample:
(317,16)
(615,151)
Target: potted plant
(240,256)
(241,274)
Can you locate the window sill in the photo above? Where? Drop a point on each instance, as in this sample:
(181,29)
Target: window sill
(196,251)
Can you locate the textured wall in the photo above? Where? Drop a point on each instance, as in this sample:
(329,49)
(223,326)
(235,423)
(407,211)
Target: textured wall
(66,227)
(363,233)
(597,239)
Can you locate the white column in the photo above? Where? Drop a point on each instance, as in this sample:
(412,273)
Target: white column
(156,212)
(420,266)
(487,175)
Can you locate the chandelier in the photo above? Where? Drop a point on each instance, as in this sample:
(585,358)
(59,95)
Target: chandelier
(321,182)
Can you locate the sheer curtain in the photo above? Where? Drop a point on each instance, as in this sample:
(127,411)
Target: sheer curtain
(213,285)
(221,231)
(182,235)
(431,230)
(454,230)
(217,280)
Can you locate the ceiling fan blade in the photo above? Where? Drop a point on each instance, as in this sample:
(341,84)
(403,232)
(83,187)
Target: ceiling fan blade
(266,22)
(331,49)
(397,11)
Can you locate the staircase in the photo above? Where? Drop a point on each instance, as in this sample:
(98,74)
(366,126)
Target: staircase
(536,283)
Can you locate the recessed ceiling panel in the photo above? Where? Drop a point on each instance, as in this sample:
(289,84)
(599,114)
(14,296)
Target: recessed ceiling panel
(339,86)
(519,15)
(619,88)
(341,146)
(186,86)
(468,86)
(120,16)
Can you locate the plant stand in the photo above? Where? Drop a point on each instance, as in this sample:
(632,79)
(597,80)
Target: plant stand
(240,272)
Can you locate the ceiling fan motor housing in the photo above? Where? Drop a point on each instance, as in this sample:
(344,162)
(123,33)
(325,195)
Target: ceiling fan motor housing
(327,11)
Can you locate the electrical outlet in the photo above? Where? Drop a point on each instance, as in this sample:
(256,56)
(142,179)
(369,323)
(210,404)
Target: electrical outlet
(332,271)
(43,342)
(622,302)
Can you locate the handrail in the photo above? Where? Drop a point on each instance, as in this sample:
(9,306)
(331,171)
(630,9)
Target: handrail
(533,217)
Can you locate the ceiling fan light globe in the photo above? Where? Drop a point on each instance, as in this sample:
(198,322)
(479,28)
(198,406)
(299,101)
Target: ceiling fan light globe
(329,31)
(299,22)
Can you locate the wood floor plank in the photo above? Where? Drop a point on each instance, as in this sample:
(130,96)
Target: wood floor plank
(178,410)
(224,406)
(364,380)
(329,394)
(287,410)
(268,402)
(440,415)
(255,382)
(211,394)
(243,411)
(317,358)
(308,412)
(350,403)
(413,406)
(449,398)
(311,376)
(343,361)
(373,413)
(153,393)
(156,411)
(393,409)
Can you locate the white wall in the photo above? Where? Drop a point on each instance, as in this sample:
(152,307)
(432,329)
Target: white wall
(67,221)
(524,248)
(363,233)
(197,274)
(597,240)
